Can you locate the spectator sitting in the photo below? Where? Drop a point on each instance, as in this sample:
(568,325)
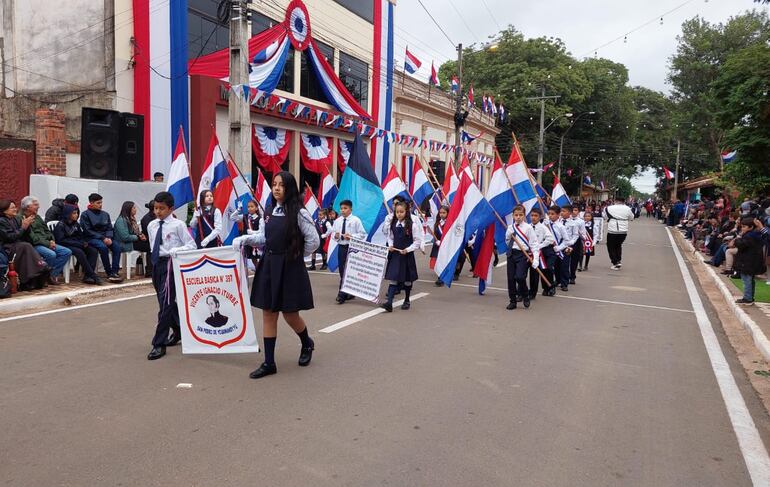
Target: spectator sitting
(68,233)
(32,269)
(127,230)
(54,213)
(97,227)
(40,236)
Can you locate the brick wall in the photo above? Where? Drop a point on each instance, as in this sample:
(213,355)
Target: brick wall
(50,141)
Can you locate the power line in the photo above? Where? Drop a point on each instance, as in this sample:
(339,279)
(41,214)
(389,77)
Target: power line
(462,18)
(435,22)
(494,19)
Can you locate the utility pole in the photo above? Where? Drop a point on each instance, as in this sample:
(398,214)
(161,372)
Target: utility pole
(676,171)
(459,119)
(238,109)
(541,145)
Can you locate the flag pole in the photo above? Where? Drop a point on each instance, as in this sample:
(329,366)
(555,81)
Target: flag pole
(314,196)
(196,196)
(531,179)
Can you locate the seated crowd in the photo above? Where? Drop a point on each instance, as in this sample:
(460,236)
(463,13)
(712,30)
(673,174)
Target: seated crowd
(34,251)
(737,239)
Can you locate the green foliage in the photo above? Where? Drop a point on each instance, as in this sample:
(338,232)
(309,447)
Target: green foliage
(623,188)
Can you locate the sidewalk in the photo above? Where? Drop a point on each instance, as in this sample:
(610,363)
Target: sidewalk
(755,318)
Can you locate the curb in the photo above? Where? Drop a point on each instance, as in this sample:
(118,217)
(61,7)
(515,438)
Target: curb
(62,298)
(757,335)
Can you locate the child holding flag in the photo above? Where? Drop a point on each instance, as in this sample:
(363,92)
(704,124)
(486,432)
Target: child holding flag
(521,248)
(404,236)
(561,248)
(207,222)
(545,242)
(438,233)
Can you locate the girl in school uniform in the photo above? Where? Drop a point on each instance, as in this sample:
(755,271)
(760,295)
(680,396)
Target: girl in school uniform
(404,236)
(207,221)
(250,223)
(438,233)
(589,244)
(281,283)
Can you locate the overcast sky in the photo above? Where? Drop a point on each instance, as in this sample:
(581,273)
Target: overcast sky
(584,26)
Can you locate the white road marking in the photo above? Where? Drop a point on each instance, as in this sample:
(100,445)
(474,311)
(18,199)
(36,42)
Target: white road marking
(593,300)
(70,308)
(503,263)
(368,314)
(753,450)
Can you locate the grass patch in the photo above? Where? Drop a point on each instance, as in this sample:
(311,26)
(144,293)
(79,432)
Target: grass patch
(761,289)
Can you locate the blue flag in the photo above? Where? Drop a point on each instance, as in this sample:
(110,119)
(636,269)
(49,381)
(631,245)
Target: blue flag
(360,185)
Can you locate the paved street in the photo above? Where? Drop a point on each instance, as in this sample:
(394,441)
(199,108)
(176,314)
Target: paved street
(608,384)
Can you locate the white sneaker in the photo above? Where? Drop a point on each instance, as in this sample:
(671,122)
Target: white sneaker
(620,264)
(615,268)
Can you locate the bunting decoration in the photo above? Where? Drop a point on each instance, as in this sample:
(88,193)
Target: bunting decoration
(343,154)
(316,152)
(271,147)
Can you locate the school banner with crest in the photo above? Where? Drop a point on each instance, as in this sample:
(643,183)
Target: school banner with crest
(212,295)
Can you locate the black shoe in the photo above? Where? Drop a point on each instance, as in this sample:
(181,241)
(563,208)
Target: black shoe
(349,297)
(174,340)
(511,305)
(532,297)
(439,283)
(564,288)
(263,370)
(340,299)
(156,353)
(324,267)
(735,275)
(306,354)
(546,292)
(572,281)
(744,301)
(114,278)
(526,301)
(406,305)
(311,268)
(580,269)
(91,280)
(387,307)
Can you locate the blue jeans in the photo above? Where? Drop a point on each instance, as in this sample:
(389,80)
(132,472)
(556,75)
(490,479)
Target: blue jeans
(719,256)
(104,253)
(748,287)
(55,258)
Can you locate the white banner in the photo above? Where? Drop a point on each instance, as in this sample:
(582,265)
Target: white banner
(212,294)
(365,269)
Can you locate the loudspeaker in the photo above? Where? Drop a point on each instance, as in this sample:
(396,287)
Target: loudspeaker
(131,151)
(100,132)
(439,169)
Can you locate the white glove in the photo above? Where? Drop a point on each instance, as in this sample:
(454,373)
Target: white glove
(196,214)
(205,242)
(251,232)
(238,243)
(173,252)
(438,242)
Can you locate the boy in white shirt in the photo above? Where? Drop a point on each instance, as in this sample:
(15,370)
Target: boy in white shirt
(346,227)
(522,252)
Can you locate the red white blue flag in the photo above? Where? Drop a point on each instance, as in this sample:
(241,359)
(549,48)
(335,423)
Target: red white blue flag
(455,84)
(411,63)
(433,75)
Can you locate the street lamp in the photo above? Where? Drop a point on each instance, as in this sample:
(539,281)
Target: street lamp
(561,144)
(541,145)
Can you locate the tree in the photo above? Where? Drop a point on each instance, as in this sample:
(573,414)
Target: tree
(744,114)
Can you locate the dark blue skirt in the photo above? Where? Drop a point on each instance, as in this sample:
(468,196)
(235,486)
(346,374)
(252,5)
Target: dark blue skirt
(281,284)
(401,268)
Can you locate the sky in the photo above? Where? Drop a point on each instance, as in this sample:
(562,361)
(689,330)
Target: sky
(584,26)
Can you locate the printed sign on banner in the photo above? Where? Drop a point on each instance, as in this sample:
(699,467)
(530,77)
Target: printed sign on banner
(213,300)
(365,269)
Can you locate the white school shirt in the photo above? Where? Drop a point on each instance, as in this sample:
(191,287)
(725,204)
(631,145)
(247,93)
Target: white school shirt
(561,235)
(306,227)
(580,226)
(215,232)
(571,233)
(353,226)
(417,237)
(544,236)
(529,232)
(175,236)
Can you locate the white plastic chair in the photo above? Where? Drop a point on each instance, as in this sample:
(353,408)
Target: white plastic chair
(70,265)
(129,261)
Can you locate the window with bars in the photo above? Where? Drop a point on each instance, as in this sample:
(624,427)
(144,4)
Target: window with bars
(354,74)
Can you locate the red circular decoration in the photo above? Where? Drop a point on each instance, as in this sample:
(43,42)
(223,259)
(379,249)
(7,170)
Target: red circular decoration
(298,24)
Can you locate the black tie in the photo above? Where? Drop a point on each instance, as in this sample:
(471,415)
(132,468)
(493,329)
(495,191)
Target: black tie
(344,224)
(155,254)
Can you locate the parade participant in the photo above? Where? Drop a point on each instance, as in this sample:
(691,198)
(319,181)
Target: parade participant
(32,270)
(68,233)
(346,227)
(404,236)
(438,233)
(544,243)
(617,217)
(324,227)
(598,220)
(521,248)
(207,222)
(168,236)
(571,233)
(97,226)
(562,250)
(251,222)
(281,282)
(589,244)
(575,223)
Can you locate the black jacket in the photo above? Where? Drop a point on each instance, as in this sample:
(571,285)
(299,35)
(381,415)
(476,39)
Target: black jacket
(11,231)
(68,233)
(96,224)
(750,258)
(54,213)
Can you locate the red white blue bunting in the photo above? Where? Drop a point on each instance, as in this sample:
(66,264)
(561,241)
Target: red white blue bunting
(343,154)
(271,147)
(316,152)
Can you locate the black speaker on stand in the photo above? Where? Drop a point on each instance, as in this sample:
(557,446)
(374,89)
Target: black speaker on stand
(131,153)
(100,133)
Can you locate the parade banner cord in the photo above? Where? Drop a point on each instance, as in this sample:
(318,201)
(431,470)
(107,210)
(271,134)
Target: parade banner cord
(213,300)
(365,269)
